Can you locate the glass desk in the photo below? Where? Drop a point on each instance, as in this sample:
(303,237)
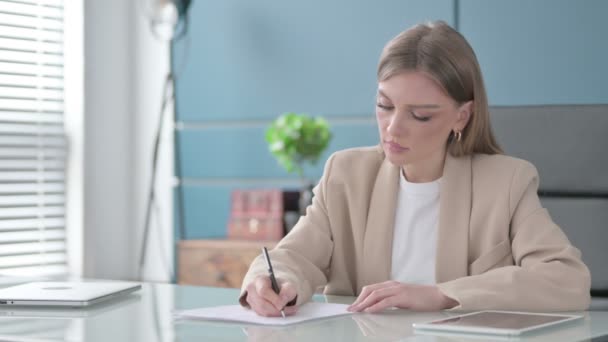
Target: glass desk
(147,316)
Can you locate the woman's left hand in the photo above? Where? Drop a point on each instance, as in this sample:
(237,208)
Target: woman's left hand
(377,297)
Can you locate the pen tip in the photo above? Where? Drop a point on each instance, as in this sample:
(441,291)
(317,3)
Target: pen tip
(283,313)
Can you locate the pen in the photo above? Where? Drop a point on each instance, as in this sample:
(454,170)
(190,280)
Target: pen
(273,280)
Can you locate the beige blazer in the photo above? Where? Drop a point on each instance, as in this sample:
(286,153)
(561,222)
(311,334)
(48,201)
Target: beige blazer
(497,247)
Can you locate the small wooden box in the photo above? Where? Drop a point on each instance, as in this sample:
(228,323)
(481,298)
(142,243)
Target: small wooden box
(256,215)
(252,228)
(218,263)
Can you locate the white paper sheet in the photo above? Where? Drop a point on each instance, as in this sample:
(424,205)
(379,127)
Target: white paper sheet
(236,313)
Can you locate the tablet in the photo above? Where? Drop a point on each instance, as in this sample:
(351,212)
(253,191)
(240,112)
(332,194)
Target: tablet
(496,322)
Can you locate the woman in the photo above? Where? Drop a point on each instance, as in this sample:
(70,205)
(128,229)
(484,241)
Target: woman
(435,217)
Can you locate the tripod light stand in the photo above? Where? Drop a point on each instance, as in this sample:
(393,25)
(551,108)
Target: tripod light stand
(169,22)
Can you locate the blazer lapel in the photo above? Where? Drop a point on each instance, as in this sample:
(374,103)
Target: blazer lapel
(454,218)
(378,238)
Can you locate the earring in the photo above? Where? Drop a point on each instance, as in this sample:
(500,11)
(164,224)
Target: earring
(458,135)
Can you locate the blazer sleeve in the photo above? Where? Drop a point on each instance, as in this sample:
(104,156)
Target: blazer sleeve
(303,256)
(548,273)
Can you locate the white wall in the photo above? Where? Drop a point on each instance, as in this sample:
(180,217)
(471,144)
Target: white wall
(124,70)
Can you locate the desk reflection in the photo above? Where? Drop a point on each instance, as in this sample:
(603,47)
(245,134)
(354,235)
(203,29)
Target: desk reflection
(341,328)
(393,325)
(59,323)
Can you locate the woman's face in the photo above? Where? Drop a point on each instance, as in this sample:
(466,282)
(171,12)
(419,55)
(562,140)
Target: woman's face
(415,117)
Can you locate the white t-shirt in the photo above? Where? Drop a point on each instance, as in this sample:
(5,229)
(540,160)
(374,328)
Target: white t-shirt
(415,233)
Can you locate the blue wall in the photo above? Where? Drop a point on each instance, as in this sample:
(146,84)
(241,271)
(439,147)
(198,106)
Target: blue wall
(540,52)
(246,62)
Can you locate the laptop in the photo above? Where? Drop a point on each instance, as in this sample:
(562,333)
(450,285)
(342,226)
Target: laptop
(71,294)
(117,303)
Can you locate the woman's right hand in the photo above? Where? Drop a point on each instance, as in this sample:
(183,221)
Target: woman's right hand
(265,302)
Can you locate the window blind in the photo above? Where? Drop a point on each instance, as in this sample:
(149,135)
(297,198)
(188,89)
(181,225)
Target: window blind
(32,139)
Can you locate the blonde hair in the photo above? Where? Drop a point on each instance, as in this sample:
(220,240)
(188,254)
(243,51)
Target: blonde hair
(441,52)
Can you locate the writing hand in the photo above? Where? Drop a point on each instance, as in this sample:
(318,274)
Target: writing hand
(380,296)
(265,302)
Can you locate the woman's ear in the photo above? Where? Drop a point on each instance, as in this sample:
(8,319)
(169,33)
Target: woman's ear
(464,114)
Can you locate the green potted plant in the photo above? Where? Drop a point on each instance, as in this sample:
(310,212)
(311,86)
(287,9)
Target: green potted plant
(295,140)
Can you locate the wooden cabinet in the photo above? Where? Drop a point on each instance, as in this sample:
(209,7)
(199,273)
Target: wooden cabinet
(219,263)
